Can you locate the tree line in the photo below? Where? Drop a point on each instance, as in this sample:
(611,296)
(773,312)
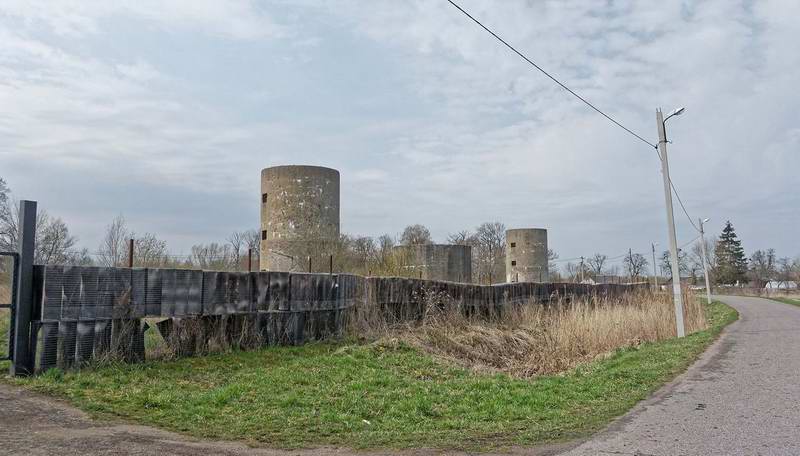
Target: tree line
(365,255)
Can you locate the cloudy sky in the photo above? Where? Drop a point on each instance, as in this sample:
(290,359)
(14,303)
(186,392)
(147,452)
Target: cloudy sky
(166,111)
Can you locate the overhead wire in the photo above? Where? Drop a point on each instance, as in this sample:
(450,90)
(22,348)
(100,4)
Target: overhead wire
(553,78)
(576,95)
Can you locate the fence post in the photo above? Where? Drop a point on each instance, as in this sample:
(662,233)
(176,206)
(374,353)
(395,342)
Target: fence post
(130,253)
(23,358)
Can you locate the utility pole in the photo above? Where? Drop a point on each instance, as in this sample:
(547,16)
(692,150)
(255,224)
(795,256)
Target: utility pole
(581,269)
(705,262)
(673,243)
(655,271)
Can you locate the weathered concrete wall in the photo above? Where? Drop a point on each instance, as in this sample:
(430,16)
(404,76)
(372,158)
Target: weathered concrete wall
(84,313)
(299,217)
(452,263)
(526,255)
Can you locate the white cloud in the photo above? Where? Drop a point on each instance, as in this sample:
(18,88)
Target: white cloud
(238,19)
(471,132)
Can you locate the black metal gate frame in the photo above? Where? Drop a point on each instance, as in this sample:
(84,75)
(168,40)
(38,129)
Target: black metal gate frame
(12,305)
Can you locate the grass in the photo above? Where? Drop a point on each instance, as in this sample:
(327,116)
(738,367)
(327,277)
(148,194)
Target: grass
(379,395)
(792,301)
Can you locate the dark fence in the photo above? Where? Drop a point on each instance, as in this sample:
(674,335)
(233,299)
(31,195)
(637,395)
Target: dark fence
(85,313)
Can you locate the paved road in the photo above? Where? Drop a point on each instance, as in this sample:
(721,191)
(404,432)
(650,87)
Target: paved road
(741,398)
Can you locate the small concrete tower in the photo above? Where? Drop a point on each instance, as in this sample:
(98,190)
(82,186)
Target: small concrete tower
(526,255)
(299,217)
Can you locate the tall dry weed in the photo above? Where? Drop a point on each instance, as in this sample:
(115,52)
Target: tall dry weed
(535,339)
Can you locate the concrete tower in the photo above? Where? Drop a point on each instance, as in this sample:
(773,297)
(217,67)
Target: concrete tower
(452,263)
(526,255)
(299,217)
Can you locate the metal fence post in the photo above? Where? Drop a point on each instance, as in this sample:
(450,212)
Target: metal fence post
(23,356)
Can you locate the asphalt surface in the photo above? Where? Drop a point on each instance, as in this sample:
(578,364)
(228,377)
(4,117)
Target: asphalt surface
(740,398)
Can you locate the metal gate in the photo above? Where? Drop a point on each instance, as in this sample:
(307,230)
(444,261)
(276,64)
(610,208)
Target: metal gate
(14,273)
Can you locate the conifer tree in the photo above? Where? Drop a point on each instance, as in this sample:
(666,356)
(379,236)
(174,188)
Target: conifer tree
(731,261)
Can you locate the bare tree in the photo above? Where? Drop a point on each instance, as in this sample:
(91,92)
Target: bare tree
(763,267)
(4,205)
(213,256)
(416,235)
(785,270)
(552,267)
(573,271)
(635,265)
(113,250)
(53,241)
(237,243)
(695,258)
(148,250)
(365,250)
(252,240)
(463,237)
(489,251)
(666,263)
(385,245)
(597,263)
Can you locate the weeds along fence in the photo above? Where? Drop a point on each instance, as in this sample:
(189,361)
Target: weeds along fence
(82,314)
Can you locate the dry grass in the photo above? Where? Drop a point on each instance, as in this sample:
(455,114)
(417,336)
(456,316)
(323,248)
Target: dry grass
(532,340)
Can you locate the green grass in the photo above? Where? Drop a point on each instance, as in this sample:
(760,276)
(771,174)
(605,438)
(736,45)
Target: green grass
(373,396)
(794,302)
(5,322)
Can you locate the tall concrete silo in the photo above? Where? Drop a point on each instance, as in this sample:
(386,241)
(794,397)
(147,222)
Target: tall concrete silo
(526,255)
(447,262)
(299,217)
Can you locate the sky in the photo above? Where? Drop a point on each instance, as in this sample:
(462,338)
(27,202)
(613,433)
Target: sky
(166,111)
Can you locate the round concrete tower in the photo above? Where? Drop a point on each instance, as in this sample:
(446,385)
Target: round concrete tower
(299,217)
(526,255)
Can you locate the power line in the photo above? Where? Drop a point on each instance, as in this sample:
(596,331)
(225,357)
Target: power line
(675,190)
(684,245)
(523,56)
(552,77)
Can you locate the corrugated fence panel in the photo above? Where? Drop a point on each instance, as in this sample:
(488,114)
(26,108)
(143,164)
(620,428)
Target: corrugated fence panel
(87,312)
(52,277)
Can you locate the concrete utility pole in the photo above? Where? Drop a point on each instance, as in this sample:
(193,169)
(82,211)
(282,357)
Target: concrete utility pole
(673,243)
(705,261)
(655,270)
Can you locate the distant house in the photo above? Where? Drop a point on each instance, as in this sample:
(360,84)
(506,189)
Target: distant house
(605,279)
(781,285)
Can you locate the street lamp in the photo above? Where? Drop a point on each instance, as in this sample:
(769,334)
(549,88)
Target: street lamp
(705,262)
(677,295)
